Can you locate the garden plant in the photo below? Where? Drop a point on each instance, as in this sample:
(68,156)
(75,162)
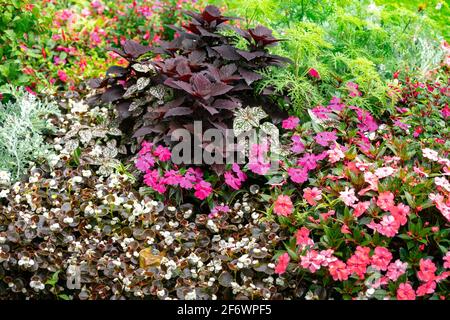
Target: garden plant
(224,149)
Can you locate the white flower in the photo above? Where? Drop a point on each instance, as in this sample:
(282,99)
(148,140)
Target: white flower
(384,172)
(442,182)
(86,173)
(438,6)
(5,177)
(430,154)
(4,193)
(68,220)
(37,285)
(55,227)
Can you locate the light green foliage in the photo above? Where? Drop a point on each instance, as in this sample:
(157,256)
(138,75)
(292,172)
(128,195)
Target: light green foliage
(344,41)
(23,123)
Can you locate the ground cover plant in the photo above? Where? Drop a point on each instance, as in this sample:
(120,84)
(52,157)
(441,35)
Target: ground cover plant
(345,194)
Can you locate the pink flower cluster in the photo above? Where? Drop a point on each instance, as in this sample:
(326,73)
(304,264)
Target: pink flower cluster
(235,177)
(159,179)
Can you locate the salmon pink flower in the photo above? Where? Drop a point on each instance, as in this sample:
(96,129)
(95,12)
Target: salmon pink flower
(385,200)
(290,123)
(303,239)
(400,213)
(360,208)
(427,270)
(283,206)
(312,195)
(447,260)
(311,261)
(359,261)
(338,270)
(405,292)
(381,258)
(426,288)
(282,264)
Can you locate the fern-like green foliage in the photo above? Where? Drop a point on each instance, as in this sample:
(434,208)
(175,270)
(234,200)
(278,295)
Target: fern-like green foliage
(344,41)
(23,125)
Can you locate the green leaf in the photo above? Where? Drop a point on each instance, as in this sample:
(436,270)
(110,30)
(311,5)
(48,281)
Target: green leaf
(54,279)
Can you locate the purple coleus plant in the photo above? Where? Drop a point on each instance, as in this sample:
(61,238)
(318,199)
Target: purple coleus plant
(199,75)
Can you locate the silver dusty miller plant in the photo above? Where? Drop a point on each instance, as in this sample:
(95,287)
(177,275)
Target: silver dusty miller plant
(23,124)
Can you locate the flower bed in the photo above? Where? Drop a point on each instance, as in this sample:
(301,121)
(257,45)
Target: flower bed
(345,197)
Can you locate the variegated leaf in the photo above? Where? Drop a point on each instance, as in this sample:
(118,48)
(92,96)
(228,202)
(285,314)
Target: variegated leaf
(270,129)
(240,126)
(157,91)
(131,90)
(143,68)
(142,83)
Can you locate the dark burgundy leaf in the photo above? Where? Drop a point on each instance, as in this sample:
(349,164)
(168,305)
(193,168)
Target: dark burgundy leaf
(122,109)
(120,71)
(219,88)
(249,76)
(145,130)
(112,94)
(225,104)
(250,55)
(211,110)
(135,49)
(227,52)
(179,111)
(97,83)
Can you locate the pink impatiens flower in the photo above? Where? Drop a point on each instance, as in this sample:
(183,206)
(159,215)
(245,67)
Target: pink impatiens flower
(257,159)
(235,177)
(311,261)
(145,162)
(282,264)
(396,269)
(405,292)
(387,227)
(359,261)
(283,206)
(427,270)
(426,288)
(312,195)
(348,196)
(335,154)
(162,153)
(338,270)
(447,260)
(290,123)
(303,239)
(360,208)
(298,175)
(381,258)
(324,138)
(385,200)
(297,144)
(62,76)
(202,190)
